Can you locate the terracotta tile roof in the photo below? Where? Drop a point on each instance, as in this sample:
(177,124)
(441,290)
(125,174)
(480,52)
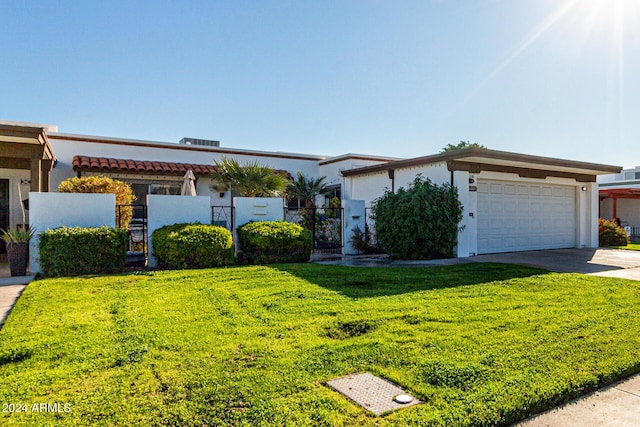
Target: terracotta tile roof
(106,164)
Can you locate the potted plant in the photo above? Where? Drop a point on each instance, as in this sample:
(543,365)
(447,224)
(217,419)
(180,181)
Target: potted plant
(17,242)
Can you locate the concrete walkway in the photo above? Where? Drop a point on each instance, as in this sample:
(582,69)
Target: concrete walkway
(616,405)
(597,262)
(10,290)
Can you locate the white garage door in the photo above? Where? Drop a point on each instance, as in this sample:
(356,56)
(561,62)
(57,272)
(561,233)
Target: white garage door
(520,216)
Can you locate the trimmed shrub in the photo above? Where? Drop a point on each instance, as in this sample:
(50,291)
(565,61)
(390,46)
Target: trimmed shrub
(267,242)
(75,251)
(420,222)
(611,234)
(192,246)
(102,184)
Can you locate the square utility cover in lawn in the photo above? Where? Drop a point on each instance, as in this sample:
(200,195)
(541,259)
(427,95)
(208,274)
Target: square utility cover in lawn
(373,393)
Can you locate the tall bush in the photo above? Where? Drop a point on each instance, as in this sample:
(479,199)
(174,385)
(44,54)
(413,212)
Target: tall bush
(420,222)
(266,242)
(611,234)
(102,184)
(75,251)
(192,246)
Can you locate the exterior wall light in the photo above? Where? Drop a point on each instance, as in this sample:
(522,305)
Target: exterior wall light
(583,188)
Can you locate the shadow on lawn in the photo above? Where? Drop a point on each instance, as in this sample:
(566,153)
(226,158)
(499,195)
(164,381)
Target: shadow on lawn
(358,282)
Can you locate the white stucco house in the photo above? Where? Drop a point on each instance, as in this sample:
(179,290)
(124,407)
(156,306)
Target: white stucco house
(512,202)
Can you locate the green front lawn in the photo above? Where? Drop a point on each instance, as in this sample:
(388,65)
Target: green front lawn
(480,344)
(629,247)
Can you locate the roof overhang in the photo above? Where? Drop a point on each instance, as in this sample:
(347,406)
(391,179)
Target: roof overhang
(620,193)
(353,156)
(476,160)
(19,144)
(149,167)
(111,165)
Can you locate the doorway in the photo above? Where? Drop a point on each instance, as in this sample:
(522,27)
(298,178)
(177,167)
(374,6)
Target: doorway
(4,208)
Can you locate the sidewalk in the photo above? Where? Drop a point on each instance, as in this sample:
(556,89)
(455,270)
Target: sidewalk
(616,405)
(10,289)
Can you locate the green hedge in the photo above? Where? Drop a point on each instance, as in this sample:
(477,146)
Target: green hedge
(192,246)
(420,222)
(611,234)
(75,251)
(266,242)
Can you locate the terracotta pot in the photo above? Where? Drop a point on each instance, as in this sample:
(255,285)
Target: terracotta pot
(18,256)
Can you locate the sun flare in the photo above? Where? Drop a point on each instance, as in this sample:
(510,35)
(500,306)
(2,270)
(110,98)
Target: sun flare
(591,23)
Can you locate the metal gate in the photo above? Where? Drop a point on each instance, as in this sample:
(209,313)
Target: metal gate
(325,225)
(370,229)
(223,216)
(373,245)
(133,218)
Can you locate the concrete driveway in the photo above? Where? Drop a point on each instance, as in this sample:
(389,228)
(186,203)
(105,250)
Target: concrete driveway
(597,262)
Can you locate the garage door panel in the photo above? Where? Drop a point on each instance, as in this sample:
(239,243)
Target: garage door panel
(509,189)
(523,206)
(510,207)
(517,217)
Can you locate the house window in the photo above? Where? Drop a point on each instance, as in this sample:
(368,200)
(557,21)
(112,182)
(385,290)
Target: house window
(165,189)
(334,191)
(141,189)
(294,203)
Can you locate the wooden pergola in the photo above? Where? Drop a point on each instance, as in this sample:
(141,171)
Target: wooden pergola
(27,147)
(619,193)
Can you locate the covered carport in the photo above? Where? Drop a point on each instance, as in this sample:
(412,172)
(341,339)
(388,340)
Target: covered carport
(623,203)
(26,160)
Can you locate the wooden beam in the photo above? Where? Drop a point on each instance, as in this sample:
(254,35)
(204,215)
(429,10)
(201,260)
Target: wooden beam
(11,131)
(35,174)
(23,151)
(14,163)
(473,167)
(45,170)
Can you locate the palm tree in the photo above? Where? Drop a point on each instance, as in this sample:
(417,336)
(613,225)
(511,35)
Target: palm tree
(306,189)
(251,179)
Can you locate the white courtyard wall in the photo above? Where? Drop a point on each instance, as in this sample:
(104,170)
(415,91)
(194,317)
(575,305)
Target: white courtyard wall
(54,210)
(258,209)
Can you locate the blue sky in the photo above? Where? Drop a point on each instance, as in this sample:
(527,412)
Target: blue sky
(557,78)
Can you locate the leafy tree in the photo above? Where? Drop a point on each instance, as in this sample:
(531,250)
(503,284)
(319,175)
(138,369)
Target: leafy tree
(461,146)
(307,189)
(420,222)
(251,179)
(102,184)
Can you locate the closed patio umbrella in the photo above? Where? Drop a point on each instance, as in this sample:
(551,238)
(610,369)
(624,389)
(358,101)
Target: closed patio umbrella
(188,184)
